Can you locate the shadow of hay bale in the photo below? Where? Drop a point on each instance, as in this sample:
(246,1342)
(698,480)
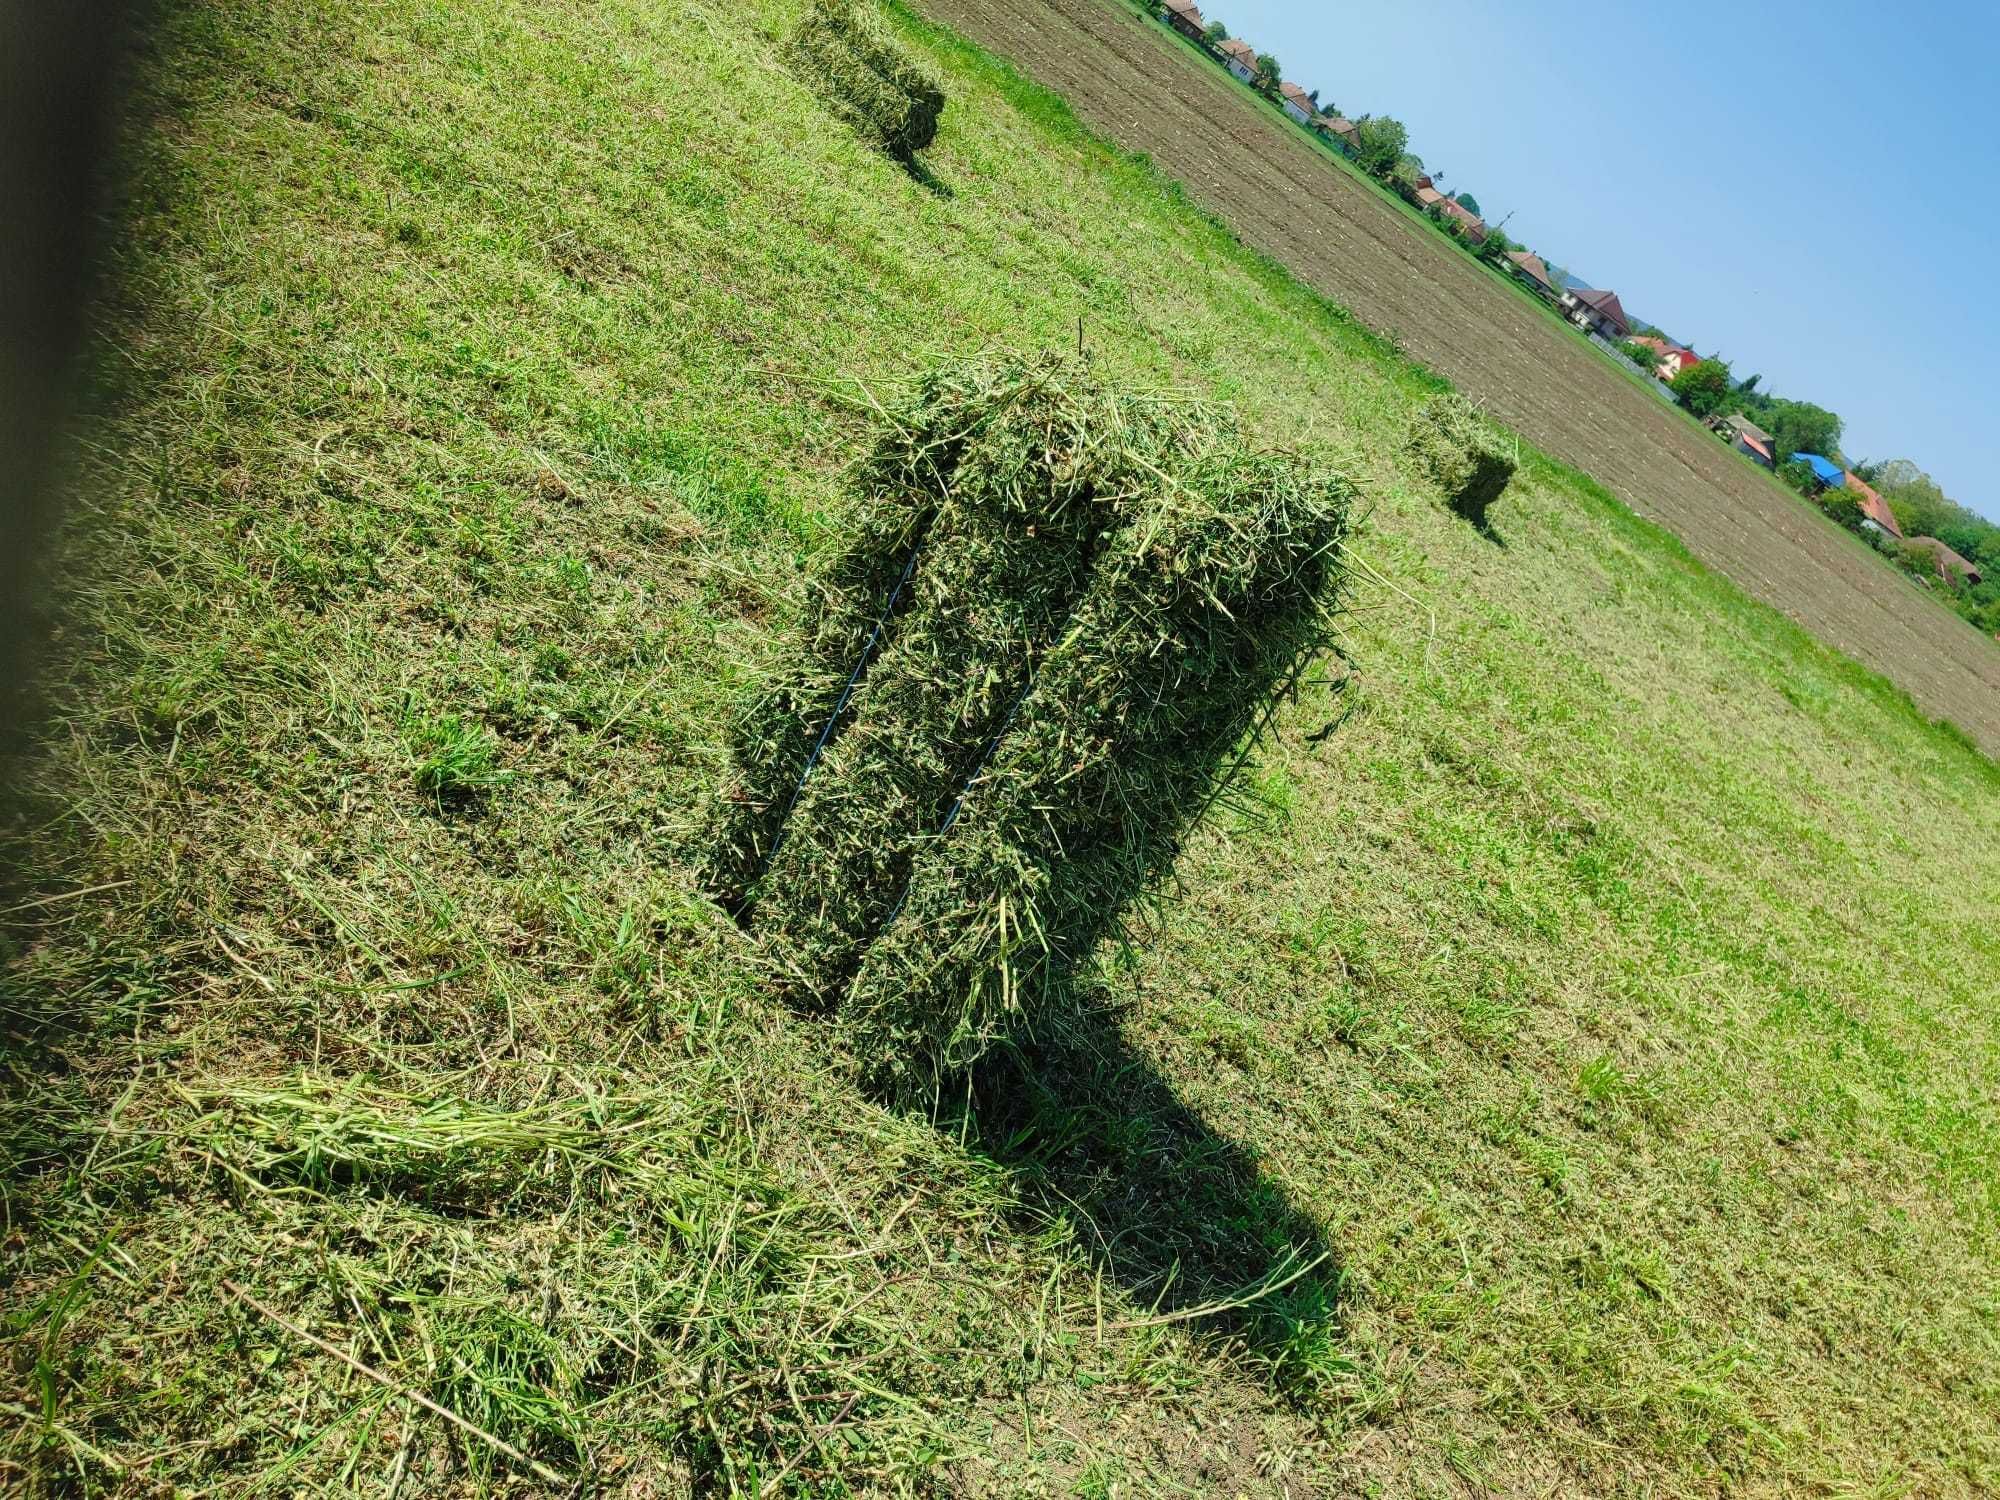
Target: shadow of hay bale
(1177,1215)
(842,52)
(1460,452)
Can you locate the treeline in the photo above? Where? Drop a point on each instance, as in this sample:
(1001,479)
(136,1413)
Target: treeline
(1923,509)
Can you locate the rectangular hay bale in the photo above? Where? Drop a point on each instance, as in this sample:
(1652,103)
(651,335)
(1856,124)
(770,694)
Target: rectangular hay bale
(867,78)
(1459,451)
(1203,605)
(1105,590)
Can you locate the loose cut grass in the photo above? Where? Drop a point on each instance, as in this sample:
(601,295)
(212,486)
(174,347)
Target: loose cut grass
(1569,1060)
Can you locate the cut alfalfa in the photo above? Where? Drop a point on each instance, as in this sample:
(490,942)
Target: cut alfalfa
(1460,452)
(1032,463)
(845,54)
(950,794)
(1206,602)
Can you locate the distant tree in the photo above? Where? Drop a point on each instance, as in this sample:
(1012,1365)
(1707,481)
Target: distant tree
(1801,427)
(1800,477)
(1645,358)
(1749,386)
(1704,388)
(1216,34)
(1407,172)
(1382,143)
(1313,95)
(1923,509)
(1269,74)
(1916,561)
(1495,246)
(1467,202)
(1843,506)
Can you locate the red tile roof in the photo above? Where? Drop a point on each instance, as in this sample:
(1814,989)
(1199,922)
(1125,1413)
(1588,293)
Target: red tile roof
(1534,265)
(1185,9)
(1758,448)
(1297,95)
(1874,507)
(1475,225)
(1241,50)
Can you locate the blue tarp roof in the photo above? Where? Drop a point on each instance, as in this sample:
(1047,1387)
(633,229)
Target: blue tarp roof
(1826,468)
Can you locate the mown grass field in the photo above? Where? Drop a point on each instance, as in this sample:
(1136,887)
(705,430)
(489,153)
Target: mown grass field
(1572,1073)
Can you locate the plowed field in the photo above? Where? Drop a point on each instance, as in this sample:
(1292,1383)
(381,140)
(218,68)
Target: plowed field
(1129,79)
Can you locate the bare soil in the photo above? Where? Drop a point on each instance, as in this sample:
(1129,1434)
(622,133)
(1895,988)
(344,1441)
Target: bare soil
(1127,78)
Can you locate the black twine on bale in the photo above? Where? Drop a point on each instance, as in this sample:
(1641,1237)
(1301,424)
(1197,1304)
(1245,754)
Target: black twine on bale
(965,791)
(840,707)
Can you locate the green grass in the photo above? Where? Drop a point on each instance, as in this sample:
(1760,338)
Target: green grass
(1572,1070)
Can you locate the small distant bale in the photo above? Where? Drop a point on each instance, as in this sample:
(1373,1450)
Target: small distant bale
(845,54)
(1459,451)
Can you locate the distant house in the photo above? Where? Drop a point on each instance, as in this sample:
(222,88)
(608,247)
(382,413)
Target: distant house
(1875,512)
(1532,269)
(1475,227)
(1674,361)
(1669,359)
(1425,195)
(1596,312)
(1184,18)
(1951,566)
(1297,103)
(1341,129)
(1826,473)
(1746,437)
(1240,58)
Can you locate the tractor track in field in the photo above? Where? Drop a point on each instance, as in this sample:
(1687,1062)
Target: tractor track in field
(1134,83)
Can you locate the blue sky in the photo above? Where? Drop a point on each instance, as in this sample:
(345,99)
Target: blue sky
(1812,190)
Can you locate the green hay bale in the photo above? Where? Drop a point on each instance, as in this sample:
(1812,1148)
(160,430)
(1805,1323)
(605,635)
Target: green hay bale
(896,490)
(1102,592)
(1459,451)
(843,52)
(1208,599)
(1030,463)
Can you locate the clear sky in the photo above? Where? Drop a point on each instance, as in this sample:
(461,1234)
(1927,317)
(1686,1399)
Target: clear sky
(1811,190)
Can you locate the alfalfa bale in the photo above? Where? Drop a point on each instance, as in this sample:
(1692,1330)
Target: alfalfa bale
(1217,588)
(1460,452)
(1039,458)
(866,77)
